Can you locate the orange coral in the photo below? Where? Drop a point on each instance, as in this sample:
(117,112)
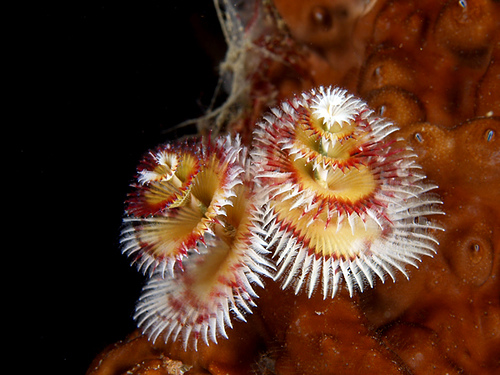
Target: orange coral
(433,68)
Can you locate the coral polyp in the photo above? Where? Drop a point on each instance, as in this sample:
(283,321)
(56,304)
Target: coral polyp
(342,198)
(181,191)
(216,283)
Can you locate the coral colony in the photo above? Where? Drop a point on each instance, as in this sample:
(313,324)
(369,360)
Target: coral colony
(324,194)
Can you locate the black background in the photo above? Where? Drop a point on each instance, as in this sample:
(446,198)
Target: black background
(97,84)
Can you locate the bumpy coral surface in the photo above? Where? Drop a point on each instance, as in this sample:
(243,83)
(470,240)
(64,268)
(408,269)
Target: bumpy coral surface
(433,68)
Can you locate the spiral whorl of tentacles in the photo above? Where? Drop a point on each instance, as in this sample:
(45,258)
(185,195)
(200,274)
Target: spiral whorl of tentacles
(323,190)
(190,215)
(344,201)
